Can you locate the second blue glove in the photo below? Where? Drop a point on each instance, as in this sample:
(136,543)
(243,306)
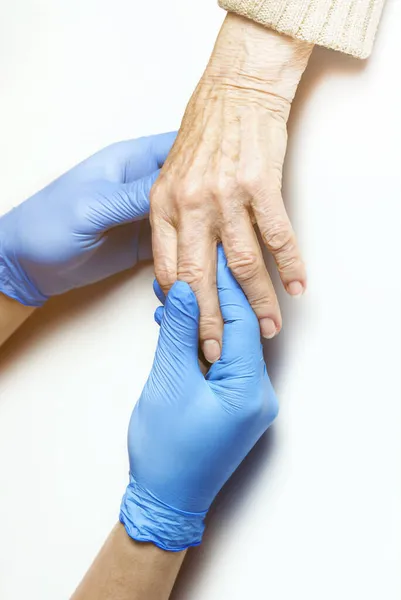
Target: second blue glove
(84,226)
(188,433)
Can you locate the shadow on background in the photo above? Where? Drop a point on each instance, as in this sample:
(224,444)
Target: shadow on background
(323,64)
(224,510)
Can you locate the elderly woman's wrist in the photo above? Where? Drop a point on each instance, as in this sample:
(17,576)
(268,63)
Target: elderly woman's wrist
(250,56)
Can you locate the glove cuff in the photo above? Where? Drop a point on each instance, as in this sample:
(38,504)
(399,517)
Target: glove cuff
(15,284)
(147,519)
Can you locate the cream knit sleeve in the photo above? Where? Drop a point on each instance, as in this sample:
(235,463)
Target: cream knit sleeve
(345,25)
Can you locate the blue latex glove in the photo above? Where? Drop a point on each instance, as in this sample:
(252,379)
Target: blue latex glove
(188,433)
(82,227)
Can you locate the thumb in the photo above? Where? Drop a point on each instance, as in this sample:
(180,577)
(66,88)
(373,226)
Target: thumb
(242,350)
(137,195)
(122,203)
(178,339)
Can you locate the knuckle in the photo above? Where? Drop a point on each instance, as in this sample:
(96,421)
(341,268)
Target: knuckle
(157,191)
(159,217)
(223,186)
(161,211)
(191,273)
(278,236)
(263,300)
(289,261)
(189,191)
(251,180)
(244,265)
(266,301)
(165,276)
(220,190)
(210,323)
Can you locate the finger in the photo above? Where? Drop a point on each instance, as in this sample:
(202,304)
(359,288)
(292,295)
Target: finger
(159,292)
(278,236)
(164,244)
(196,264)
(241,337)
(245,259)
(117,204)
(158,318)
(178,338)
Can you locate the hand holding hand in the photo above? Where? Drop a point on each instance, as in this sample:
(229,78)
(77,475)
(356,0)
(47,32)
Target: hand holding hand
(224,173)
(84,226)
(188,433)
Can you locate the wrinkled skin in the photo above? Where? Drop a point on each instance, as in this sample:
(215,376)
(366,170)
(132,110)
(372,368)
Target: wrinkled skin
(224,174)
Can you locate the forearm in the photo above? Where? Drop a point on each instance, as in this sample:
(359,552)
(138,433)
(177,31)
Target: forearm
(129,570)
(12,315)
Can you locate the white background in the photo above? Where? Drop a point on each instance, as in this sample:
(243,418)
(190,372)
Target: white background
(315,510)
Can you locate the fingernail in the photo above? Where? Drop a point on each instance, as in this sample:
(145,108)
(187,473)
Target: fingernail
(268,328)
(211,350)
(295,288)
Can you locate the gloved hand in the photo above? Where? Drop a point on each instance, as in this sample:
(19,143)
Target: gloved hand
(188,433)
(82,227)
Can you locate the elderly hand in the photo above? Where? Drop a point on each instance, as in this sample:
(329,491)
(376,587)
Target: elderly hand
(84,226)
(188,433)
(224,173)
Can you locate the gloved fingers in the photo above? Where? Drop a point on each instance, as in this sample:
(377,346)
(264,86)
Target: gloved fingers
(160,295)
(196,264)
(115,251)
(241,336)
(159,314)
(179,327)
(160,146)
(137,195)
(125,162)
(147,154)
(144,241)
(233,302)
(119,204)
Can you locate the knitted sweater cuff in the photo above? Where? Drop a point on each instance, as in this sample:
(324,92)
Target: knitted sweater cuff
(345,25)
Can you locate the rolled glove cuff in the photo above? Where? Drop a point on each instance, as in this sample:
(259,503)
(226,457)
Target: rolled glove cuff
(14,283)
(147,519)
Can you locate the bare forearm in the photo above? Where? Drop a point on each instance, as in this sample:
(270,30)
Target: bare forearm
(12,315)
(129,570)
